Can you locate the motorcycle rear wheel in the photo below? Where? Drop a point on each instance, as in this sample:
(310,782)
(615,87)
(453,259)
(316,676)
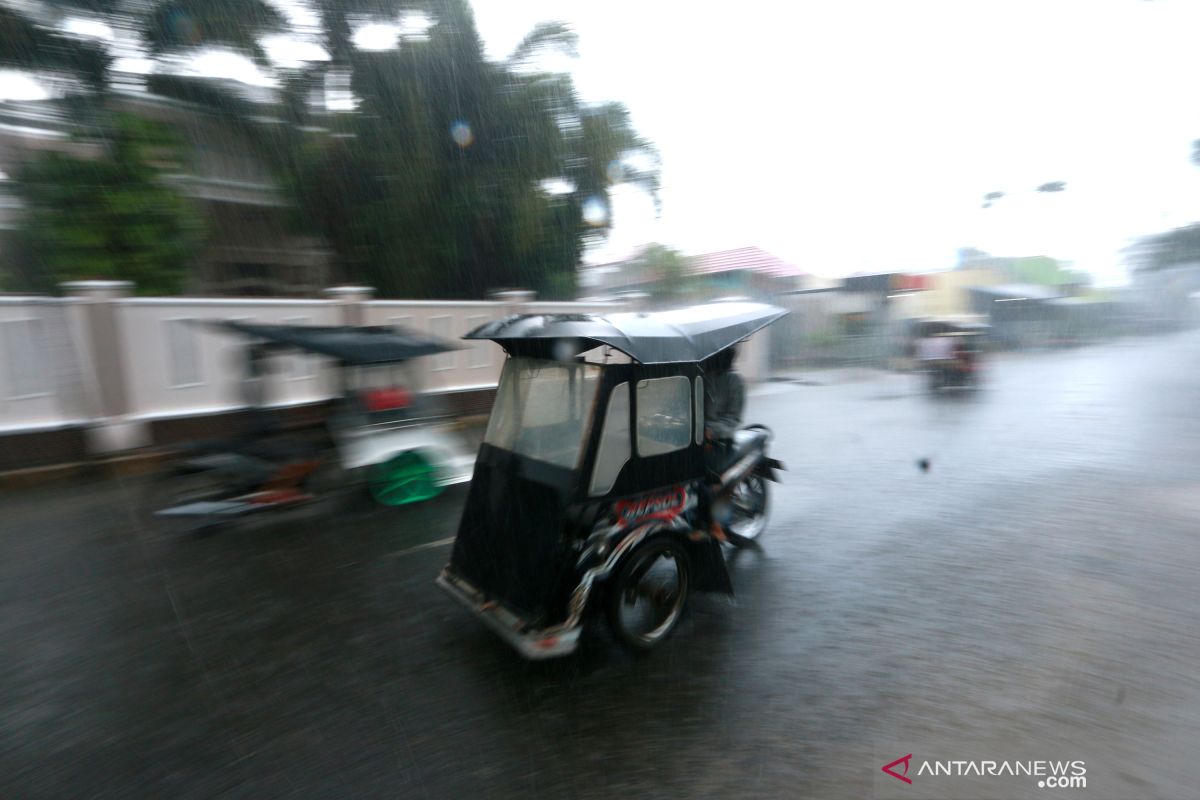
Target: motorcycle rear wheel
(648,594)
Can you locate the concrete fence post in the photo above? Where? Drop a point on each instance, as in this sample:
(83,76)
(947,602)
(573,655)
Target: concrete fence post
(350,300)
(112,428)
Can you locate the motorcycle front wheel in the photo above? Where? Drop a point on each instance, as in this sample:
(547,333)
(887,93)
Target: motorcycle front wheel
(751,505)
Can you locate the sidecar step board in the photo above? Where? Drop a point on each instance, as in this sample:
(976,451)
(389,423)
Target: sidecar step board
(205,508)
(533,644)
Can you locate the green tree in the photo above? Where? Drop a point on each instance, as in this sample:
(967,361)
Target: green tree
(99,217)
(454,175)
(31,40)
(459,174)
(110,217)
(171,29)
(661,270)
(1044,271)
(33,37)
(1165,250)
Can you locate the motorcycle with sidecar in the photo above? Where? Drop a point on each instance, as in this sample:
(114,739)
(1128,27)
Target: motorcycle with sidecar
(594,489)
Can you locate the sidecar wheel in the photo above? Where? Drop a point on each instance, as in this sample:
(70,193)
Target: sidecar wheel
(405,478)
(648,594)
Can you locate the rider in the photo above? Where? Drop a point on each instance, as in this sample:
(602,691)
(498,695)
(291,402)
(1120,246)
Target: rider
(724,401)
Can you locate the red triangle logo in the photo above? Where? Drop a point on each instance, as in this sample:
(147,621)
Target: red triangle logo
(888,768)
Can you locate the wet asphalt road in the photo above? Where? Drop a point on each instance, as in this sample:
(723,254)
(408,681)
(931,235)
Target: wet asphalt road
(1033,594)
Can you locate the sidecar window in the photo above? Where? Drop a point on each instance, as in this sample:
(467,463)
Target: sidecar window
(614,442)
(664,415)
(543,408)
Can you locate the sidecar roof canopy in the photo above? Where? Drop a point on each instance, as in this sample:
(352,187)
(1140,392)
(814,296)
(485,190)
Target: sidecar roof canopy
(354,346)
(663,337)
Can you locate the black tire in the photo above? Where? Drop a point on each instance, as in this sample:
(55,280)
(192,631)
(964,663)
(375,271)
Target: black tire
(634,582)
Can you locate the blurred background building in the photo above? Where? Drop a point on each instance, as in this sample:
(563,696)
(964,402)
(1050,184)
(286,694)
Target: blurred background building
(667,275)
(257,251)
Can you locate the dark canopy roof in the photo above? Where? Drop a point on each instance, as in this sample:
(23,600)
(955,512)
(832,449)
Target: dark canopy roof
(357,346)
(664,337)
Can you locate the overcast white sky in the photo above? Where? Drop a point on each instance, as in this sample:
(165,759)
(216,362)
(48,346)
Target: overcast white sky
(856,136)
(860,136)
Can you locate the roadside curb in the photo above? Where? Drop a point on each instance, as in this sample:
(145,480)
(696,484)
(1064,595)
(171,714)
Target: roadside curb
(472,421)
(130,464)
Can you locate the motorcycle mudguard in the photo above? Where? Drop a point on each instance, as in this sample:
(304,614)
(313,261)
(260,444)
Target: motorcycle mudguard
(709,571)
(769,468)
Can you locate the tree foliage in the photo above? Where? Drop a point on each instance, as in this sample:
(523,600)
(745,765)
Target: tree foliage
(660,270)
(186,24)
(32,36)
(990,198)
(454,174)
(30,43)
(112,216)
(460,174)
(1165,250)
